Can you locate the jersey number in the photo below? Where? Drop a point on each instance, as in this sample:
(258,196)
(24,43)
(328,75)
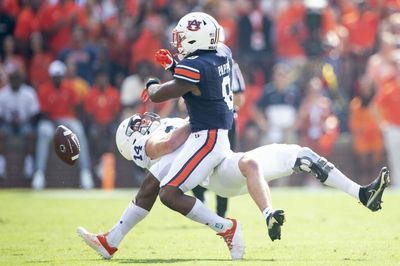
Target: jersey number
(137,150)
(227,92)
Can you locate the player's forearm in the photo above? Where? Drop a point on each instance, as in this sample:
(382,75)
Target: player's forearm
(179,136)
(162,92)
(157,147)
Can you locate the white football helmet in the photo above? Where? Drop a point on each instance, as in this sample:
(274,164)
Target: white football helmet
(195,31)
(134,128)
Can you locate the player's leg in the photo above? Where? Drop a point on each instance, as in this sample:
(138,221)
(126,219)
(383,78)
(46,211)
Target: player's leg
(201,152)
(369,195)
(106,244)
(256,184)
(136,210)
(259,191)
(260,166)
(222,202)
(199,155)
(172,195)
(198,192)
(195,210)
(222,205)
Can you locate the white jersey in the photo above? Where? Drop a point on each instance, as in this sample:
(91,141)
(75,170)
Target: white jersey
(276,160)
(138,150)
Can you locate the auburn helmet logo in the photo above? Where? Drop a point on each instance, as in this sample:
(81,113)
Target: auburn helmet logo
(193,25)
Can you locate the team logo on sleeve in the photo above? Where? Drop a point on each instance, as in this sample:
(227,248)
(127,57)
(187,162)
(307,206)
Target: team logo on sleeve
(193,25)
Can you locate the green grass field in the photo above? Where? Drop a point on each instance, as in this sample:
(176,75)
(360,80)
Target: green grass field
(324,227)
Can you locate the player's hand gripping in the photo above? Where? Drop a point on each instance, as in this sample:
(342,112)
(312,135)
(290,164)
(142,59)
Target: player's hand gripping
(164,58)
(145,94)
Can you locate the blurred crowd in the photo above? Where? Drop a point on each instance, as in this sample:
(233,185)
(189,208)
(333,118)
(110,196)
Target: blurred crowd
(313,69)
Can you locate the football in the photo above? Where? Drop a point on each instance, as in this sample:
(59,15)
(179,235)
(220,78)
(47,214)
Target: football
(66,145)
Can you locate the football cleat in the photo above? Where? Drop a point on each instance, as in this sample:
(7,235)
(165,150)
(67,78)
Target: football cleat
(234,239)
(97,242)
(274,222)
(371,195)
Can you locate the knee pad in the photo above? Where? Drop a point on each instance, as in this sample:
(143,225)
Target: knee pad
(309,161)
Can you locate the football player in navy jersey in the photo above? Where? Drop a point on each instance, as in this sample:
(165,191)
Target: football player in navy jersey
(203,78)
(238,87)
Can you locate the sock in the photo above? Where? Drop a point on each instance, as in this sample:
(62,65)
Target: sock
(338,180)
(201,214)
(131,216)
(267,211)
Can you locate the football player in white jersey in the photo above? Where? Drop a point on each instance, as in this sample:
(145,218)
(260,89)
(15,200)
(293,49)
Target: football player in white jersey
(230,178)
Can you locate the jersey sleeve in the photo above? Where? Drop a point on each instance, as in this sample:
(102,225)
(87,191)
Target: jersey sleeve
(188,70)
(138,153)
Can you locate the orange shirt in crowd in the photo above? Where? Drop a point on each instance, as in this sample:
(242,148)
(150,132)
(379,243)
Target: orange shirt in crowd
(291,30)
(80,86)
(230,30)
(394,4)
(118,48)
(366,133)
(57,22)
(356,24)
(27,22)
(38,69)
(132,7)
(145,48)
(11,7)
(103,106)
(387,101)
(58,103)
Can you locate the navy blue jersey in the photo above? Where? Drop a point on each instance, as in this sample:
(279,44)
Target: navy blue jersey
(211,71)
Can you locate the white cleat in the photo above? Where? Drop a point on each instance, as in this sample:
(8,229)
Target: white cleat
(234,239)
(97,242)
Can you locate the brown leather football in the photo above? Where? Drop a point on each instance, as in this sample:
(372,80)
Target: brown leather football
(66,145)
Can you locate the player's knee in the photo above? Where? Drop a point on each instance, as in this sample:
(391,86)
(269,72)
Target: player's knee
(168,196)
(149,189)
(310,162)
(248,166)
(307,152)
